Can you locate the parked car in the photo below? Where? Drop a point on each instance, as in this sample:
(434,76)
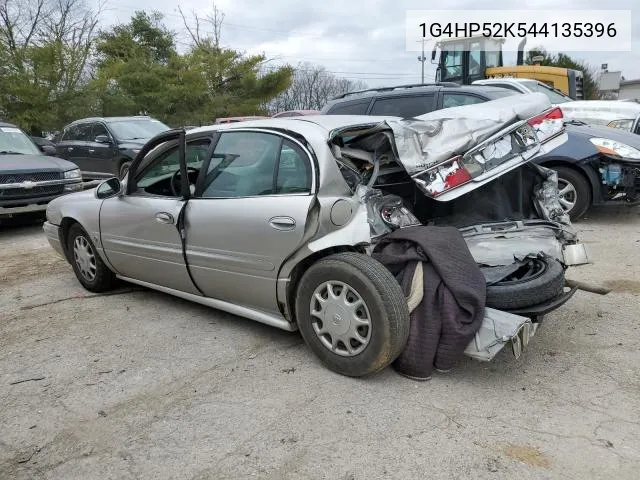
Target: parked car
(527,85)
(315,195)
(41,143)
(295,113)
(584,168)
(222,120)
(29,177)
(105,147)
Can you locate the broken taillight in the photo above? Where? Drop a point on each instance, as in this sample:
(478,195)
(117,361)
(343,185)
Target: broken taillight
(548,124)
(446,176)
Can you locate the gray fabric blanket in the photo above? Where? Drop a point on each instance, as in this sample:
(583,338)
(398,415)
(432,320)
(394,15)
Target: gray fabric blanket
(452,307)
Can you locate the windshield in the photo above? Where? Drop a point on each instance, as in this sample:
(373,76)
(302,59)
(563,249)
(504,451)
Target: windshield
(137,129)
(14,140)
(554,97)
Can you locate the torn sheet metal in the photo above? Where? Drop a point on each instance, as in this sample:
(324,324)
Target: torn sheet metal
(427,140)
(547,198)
(497,330)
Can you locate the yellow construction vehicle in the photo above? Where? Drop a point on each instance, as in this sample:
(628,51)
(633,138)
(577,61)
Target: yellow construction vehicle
(465,60)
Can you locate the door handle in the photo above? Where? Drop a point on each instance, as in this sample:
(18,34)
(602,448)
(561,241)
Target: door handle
(70,149)
(164,217)
(91,150)
(282,223)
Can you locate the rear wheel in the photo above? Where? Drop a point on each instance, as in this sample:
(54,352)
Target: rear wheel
(352,313)
(575,194)
(89,268)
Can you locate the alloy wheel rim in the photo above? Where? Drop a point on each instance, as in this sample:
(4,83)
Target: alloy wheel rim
(340,318)
(567,195)
(85,258)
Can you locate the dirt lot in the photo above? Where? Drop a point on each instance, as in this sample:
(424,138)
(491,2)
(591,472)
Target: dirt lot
(142,385)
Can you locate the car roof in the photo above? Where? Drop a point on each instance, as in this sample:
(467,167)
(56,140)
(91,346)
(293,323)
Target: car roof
(300,123)
(6,124)
(110,119)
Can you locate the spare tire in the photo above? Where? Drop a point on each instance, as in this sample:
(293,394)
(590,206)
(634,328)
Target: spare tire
(536,281)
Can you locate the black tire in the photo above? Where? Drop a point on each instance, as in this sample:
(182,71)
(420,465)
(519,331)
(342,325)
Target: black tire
(104,278)
(388,312)
(124,169)
(545,284)
(582,190)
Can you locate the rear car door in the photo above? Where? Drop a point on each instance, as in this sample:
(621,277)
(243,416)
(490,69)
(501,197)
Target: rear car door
(72,145)
(139,230)
(248,215)
(101,156)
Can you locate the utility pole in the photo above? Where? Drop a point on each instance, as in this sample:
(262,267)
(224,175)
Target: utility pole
(422,59)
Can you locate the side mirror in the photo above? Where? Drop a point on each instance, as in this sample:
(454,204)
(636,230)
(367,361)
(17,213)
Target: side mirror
(433,55)
(109,188)
(102,139)
(48,150)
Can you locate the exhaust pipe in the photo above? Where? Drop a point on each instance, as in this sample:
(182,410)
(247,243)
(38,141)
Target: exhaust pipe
(520,60)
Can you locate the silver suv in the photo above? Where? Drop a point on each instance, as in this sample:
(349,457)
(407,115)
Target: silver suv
(275,220)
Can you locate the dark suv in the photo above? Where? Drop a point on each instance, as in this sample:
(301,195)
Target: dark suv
(410,100)
(105,147)
(596,166)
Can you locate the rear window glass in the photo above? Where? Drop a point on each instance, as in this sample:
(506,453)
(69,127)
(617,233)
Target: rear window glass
(410,106)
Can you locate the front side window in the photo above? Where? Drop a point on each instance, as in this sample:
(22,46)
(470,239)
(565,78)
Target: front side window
(156,177)
(14,140)
(98,129)
(249,164)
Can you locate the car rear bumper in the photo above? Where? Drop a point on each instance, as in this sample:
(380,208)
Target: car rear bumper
(52,232)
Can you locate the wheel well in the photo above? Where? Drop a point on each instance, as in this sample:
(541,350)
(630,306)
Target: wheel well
(303,265)
(595,186)
(65,226)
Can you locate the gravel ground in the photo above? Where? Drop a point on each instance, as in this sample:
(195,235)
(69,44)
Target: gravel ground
(142,385)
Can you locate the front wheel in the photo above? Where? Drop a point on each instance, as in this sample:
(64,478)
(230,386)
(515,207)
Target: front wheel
(124,169)
(352,313)
(575,194)
(89,268)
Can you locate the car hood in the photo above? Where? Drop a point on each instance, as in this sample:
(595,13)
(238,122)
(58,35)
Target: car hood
(133,144)
(22,163)
(591,131)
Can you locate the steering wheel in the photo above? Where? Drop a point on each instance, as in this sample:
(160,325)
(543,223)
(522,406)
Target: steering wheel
(176,184)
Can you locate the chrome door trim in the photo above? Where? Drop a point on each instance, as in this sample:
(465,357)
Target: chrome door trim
(257,315)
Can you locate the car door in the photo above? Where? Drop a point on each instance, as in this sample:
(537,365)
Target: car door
(248,215)
(71,145)
(101,155)
(139,229)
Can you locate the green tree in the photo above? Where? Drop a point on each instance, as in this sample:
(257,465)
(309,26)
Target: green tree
(589,82)
(45,46)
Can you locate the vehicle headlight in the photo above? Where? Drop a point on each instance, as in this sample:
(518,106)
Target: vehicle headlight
(617,149)
(69,174)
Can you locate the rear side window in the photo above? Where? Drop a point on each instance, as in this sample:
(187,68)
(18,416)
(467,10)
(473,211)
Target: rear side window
(350,108)
(458,99)
(405,107)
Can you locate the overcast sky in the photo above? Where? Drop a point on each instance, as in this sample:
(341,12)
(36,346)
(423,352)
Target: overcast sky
(356,39)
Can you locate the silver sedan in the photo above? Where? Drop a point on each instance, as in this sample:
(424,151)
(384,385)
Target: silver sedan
(274,220)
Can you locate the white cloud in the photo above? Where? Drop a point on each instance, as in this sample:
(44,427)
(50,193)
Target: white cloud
(361,39)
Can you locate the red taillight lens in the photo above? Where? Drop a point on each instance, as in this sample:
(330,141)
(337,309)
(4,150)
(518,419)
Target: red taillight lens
(547,124)
(446,176)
